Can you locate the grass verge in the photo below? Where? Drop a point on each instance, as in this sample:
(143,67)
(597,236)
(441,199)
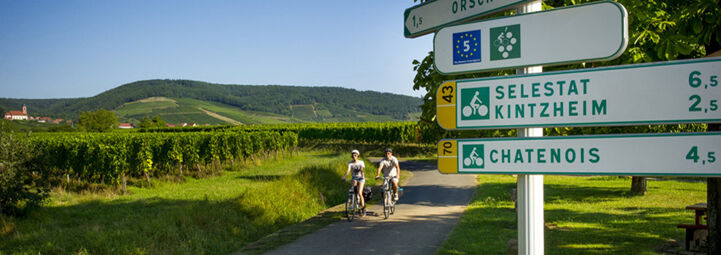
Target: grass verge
(215,215)
(583,215)
(320,220)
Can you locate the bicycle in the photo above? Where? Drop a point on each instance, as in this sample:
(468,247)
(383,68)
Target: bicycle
(352,204)
(389,205)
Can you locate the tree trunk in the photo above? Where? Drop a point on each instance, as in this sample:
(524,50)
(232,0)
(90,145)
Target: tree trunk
(181,170)
(713,197)
(713,193)
(147,177)
(638,185)
(125,182)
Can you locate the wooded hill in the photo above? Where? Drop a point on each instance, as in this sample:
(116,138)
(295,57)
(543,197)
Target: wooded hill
(280,103)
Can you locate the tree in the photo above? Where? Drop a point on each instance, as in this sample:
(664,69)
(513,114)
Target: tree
(100,121)
(145,123)
(156,122)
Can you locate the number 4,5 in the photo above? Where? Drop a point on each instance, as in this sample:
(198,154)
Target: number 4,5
(693,155)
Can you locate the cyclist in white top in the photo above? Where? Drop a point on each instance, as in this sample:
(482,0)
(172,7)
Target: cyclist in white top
(390,168)
(355,168)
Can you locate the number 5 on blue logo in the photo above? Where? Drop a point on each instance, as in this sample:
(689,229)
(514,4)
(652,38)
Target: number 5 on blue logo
(466,47)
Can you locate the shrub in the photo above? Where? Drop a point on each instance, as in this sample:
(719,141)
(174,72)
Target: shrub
(20,188)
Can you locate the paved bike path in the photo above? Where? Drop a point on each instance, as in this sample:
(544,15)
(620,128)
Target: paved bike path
(431,205)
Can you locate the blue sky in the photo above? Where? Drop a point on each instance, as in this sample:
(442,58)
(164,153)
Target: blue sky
(60,49)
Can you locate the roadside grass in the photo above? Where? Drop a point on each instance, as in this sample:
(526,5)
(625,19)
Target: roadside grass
(583,215)
(215,215)
(320,220)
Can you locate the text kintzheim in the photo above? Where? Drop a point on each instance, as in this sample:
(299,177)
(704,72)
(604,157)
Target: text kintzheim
(554,90)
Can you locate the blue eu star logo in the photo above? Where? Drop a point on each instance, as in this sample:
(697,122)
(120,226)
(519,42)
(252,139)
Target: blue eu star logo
(467,47)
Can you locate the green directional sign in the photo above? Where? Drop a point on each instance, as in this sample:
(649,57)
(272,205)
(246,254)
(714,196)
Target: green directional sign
(432,15)
(595,31)
(685,91)
(690,154)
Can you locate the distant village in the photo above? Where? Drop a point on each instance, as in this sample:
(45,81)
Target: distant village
(23,115)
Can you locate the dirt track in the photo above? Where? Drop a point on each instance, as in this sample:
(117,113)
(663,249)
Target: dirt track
(431,205)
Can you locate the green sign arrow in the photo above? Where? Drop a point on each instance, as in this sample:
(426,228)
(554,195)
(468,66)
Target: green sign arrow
(690,154)
(595,31)
(683,91)
(432,15)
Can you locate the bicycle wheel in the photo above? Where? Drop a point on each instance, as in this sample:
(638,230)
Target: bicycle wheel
(386,204)
(467,111)
(483,110)
(393,207)
(349,213)
(356,205)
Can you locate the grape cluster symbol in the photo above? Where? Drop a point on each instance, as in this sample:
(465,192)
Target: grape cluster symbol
(505,42)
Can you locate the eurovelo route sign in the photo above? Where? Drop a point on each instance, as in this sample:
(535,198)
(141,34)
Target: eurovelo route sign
(594,31)
(683,91)
(432,15)
(690,154)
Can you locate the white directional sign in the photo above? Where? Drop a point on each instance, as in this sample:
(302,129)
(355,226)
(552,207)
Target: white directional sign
(690,154)
(431,15)
(595,31)
(683,91)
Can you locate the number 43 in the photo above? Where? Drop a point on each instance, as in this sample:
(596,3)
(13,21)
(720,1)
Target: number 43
(448,92)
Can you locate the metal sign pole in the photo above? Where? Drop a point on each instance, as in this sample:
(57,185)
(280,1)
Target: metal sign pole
(530,187)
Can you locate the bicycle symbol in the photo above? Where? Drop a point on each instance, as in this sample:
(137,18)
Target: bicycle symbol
(476,107)
(473,158)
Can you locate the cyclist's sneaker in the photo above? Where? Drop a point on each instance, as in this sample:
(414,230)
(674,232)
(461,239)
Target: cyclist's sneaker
(364,212)
(395,196)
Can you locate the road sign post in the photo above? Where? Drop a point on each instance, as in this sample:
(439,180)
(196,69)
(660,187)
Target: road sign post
(529,188)
(685,91)
(432,15)
(594,31)
(668,154)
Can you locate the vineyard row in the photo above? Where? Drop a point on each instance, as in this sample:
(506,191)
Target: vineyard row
(368,132)
(98,157)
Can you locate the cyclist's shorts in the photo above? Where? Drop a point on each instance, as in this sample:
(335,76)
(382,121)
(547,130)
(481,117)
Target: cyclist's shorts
(395,178)
(359,179)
